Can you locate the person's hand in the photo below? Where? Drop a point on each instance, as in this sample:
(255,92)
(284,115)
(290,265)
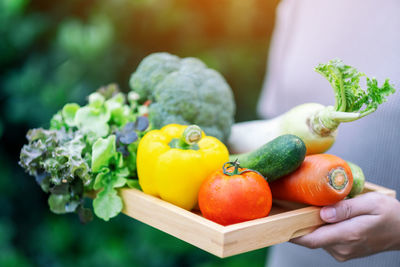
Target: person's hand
(357,227)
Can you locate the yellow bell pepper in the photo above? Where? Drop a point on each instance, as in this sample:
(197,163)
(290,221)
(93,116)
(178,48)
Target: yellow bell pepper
(173,162)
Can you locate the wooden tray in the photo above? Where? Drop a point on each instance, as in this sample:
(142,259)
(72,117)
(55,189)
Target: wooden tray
(286,220)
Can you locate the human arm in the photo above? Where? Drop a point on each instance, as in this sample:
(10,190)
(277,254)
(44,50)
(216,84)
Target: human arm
(357,227)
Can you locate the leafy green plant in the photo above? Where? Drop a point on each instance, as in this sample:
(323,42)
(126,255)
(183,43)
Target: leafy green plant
(78,154)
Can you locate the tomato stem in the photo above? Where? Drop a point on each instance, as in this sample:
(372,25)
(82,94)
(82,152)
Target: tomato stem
(236,166)
(229,164)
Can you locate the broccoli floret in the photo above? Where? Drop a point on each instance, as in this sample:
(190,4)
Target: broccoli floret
(185,91)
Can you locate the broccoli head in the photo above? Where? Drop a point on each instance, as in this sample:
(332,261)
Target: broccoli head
(184,91)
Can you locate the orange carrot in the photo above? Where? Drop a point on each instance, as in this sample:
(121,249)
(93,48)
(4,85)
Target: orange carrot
(321,180)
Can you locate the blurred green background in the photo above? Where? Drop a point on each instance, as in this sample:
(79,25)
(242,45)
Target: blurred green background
(53,52)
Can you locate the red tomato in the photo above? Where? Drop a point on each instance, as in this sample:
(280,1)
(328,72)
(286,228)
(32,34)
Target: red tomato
(233,195)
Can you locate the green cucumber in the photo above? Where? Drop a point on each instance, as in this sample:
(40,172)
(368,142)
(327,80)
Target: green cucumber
(276,158)
(358,179)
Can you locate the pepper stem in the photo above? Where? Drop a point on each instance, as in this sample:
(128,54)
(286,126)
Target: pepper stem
(189,138)
(191,135)
(338,178)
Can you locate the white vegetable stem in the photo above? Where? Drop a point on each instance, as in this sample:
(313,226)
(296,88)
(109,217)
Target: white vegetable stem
(314,123)
(326,120)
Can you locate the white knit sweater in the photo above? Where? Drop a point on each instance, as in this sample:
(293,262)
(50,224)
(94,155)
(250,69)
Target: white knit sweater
(364,34)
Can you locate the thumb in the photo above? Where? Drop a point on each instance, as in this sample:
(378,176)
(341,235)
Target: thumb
(349,208)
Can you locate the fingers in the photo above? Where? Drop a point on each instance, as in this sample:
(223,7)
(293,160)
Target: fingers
(319,238)
(333,234)
(349,208)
